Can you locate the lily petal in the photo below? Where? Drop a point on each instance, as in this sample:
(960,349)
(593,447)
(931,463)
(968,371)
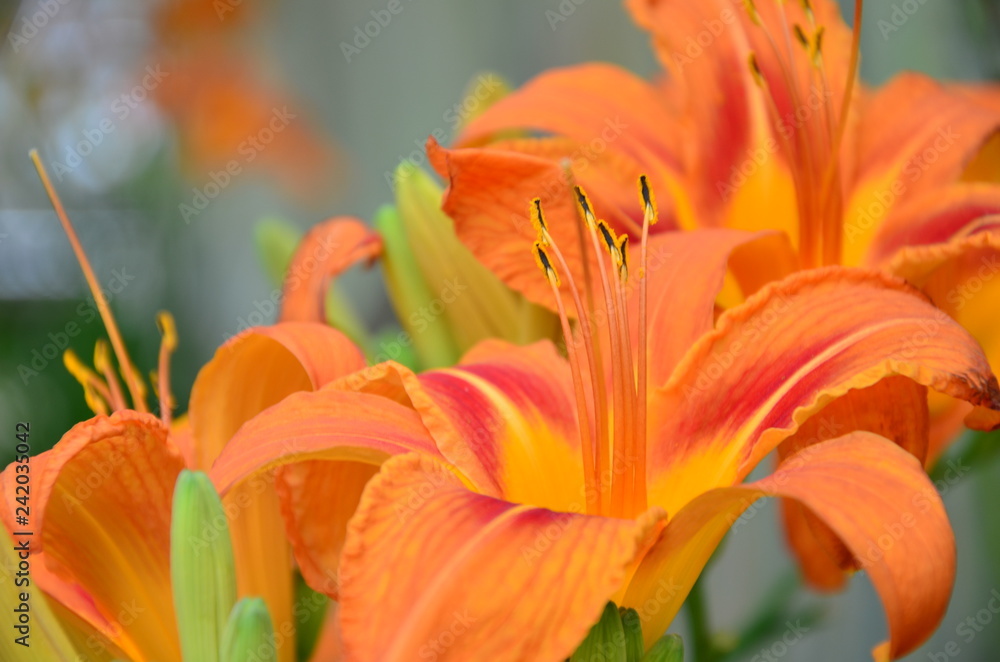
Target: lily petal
(327,250)
(902,154)
(333,431)
(959,276)
(512,417)
(584,103)
(489,191)
(821,555)
(104,498)
(871,493)
(247,375)
(686,305)
(788,351)
(934,216)
(541,578)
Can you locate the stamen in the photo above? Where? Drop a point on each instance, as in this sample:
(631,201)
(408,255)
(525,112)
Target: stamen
(833,233)
(102,361)
(801,36)
(583,409)
(618,402)
(649,217)
(95,391)
(622,376)
(168,331)
(751,10)
(130,374)
(806,233)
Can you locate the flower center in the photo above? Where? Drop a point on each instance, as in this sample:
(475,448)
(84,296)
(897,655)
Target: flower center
(612,436)
(811,140)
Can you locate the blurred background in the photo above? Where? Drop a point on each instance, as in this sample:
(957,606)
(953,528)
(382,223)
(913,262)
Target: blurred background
(138,107)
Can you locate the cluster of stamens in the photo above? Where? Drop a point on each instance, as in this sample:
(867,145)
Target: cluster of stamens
(813,152)
(101,387)
(612,439)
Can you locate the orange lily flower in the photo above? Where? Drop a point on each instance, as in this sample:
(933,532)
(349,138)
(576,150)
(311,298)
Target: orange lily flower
(101,497)
(520,491)
(760,125)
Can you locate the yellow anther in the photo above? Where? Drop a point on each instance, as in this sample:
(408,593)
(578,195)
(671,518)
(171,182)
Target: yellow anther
(648,201)
(88,379)
(102,358)
(544,263)
(817,53)
(807,8)
(752,11)
(610,241)
(758,77)
(584,202)
(800,35)
(168,330)
(538,218)
(623,258)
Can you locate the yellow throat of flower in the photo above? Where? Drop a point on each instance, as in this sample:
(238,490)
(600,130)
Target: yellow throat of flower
(813,149)
(612,439)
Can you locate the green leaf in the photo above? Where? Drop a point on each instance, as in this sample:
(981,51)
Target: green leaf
(249,634)
(429,335)
(605,641)
(202,570)
(310,612)
(276,243)
(632,626)
(669,648)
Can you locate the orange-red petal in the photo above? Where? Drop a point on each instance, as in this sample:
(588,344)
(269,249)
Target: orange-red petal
(325,445)
(871,493)
(327,250)
(101,504)
(788,351)
(433,569)
(821,555)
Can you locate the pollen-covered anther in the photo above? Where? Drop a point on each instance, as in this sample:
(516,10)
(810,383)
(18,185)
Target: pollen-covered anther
(622,263)
(751,10)
(800,35)
(807,8)
(610,240)
(817,46)
(648,201)
(545,263)
(538,218)
(584,202)
(755,71)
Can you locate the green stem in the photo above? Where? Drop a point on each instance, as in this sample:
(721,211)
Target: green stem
(704,650)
